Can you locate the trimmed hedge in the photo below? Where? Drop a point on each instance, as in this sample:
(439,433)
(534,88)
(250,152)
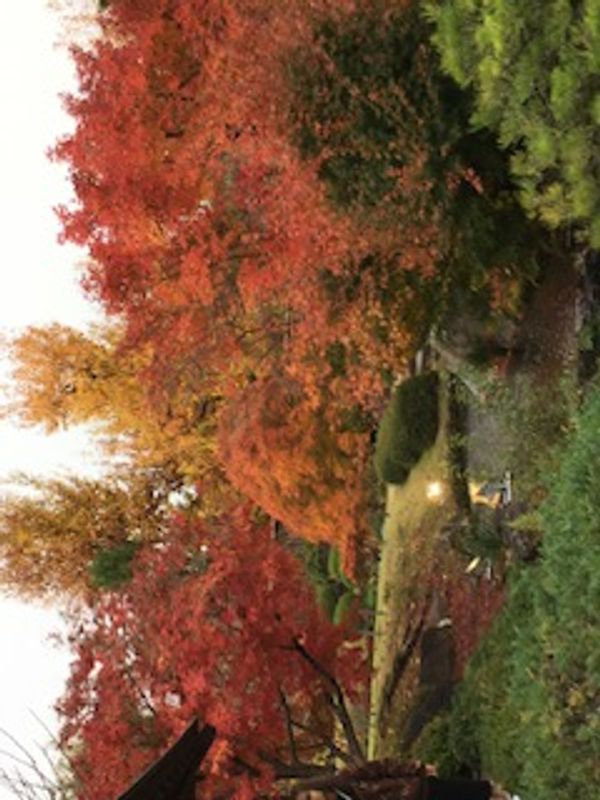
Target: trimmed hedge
(408,427)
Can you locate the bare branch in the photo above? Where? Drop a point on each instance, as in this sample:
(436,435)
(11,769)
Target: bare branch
(334,750)
(289,725)
(337,700)
(27,779)
(54,741)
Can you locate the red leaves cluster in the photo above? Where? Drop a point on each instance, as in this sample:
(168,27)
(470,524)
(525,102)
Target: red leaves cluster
(206,628)
(207,232)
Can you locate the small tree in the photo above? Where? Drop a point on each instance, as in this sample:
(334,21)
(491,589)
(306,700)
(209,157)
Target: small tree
(50,537)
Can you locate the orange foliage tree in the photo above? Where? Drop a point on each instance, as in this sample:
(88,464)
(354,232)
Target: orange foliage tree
(209,231)
(217,235)
(190,199)
(284,453)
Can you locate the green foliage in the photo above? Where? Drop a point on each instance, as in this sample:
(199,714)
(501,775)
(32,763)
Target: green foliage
(322,565)
(336,594)
(111,567)
(327,596)
(408,427)
(446,742)
(334,570)
(481,537)
(535,78)
(527,712)
(343,607)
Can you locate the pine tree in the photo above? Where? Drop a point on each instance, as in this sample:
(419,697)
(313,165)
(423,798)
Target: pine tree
(534,73)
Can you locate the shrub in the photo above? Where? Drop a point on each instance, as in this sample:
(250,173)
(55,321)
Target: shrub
(482,537)
(408,427)
(336,594)
(444,743)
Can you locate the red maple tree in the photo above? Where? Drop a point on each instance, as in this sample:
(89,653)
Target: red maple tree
(284,453)
(207,231)
(219,623)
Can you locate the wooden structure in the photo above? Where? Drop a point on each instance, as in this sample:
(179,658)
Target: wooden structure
(174,775)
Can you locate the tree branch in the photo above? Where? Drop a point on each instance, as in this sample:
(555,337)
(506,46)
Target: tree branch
(334,750)
(285,771)
(289,725)
(337,700)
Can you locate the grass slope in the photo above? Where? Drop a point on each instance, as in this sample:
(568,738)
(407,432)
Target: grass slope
(410,534)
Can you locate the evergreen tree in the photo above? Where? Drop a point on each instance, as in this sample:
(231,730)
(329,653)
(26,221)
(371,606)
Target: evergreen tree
(535,74)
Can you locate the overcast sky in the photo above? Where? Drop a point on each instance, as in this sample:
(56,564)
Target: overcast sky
(38,284)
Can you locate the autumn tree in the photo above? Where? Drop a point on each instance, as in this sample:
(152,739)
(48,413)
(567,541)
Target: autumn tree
(216,240)
(236,639)
(189,235)
(64,377)
(285,454)
(50,535)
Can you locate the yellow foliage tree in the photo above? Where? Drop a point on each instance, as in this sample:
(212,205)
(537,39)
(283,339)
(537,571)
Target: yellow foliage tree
(49,537)
(64,377)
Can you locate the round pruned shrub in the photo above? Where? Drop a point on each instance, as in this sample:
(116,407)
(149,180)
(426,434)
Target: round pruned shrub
(408,427)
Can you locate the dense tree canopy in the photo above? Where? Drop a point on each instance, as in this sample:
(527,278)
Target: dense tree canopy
(237,638)
(534,78)
(189,233)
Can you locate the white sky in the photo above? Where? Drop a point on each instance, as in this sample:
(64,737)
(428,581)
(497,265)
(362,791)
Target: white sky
(38,284)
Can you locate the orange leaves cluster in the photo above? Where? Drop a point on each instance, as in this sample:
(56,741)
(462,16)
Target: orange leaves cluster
(281,452)
(195,205)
